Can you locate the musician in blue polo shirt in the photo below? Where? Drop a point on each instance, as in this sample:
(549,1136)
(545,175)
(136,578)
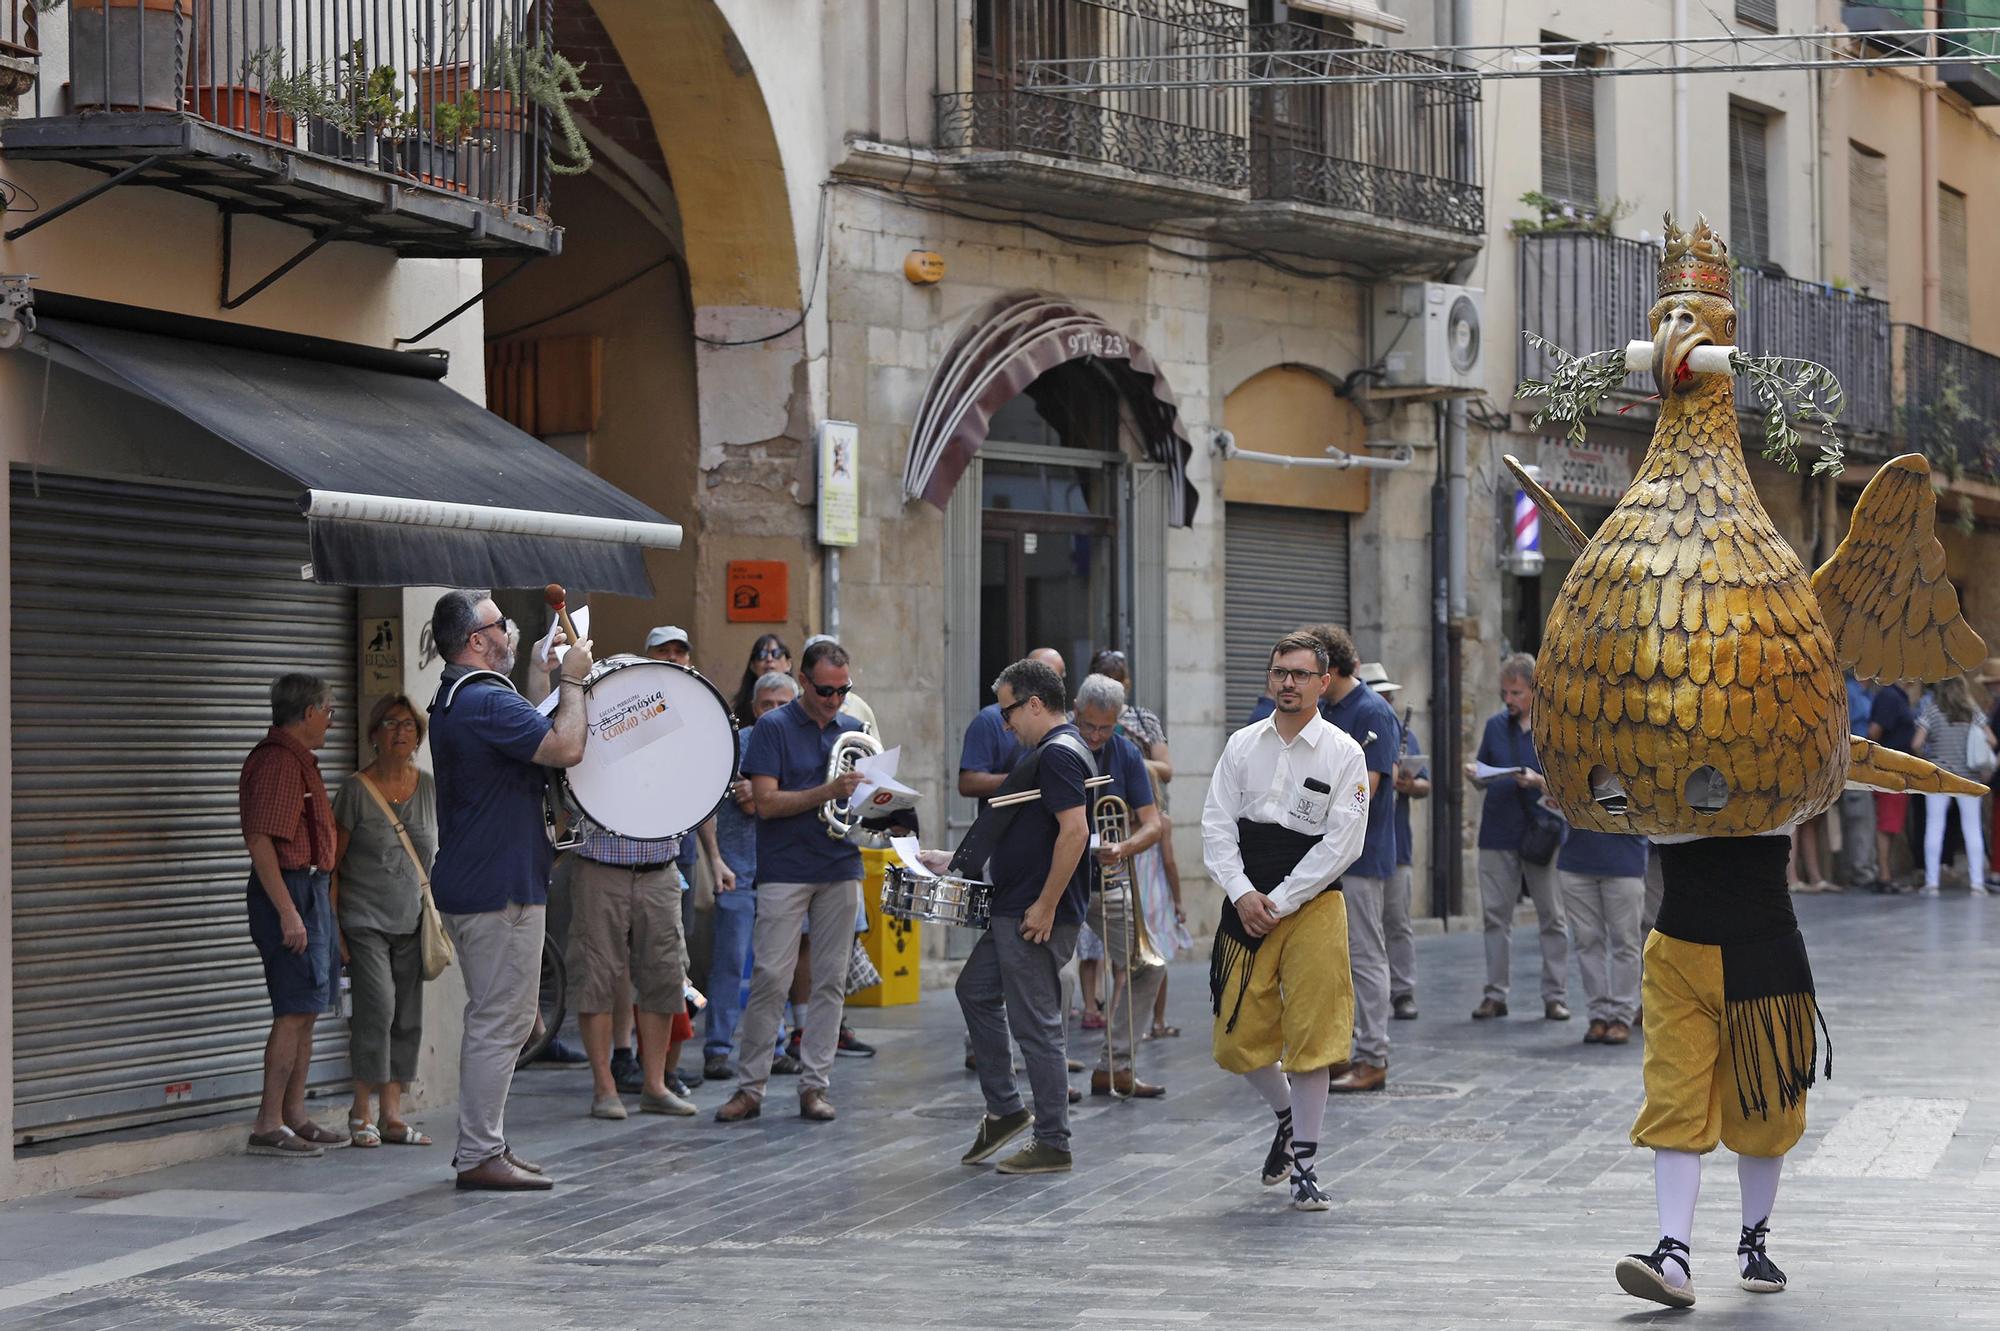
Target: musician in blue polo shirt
(1603,878)
(1100,701)
(803,874)
(1368,721)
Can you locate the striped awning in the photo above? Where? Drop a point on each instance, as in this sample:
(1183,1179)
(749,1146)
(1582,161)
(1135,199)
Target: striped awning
(1005,347)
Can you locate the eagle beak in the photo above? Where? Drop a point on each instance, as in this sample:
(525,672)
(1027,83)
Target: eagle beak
(1679,335)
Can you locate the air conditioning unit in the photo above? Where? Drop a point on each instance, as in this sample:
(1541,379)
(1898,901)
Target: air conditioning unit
(1430,335)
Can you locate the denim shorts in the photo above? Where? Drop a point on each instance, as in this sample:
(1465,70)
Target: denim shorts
(297,981)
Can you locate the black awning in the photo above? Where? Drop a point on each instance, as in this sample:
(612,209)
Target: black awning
(361,421)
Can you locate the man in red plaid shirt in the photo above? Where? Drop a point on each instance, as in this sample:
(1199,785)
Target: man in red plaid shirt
(288,827)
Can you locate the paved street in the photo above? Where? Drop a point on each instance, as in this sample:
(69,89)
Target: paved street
(1492,1187)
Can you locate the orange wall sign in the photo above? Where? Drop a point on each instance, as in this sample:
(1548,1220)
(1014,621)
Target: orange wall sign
(757,591)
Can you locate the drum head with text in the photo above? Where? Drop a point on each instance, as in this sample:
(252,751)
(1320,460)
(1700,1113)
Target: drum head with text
(661,749)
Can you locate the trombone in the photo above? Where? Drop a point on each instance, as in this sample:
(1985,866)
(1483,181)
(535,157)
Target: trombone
(1111,820)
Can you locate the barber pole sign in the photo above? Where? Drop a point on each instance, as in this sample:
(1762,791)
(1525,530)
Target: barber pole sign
(1525,557)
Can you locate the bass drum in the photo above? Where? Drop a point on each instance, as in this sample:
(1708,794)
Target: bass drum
(661,751)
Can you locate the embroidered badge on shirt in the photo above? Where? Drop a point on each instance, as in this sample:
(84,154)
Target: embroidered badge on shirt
(1361,797)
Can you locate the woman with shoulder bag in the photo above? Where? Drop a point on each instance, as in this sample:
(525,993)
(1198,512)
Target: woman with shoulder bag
(1950,727)
(386,815)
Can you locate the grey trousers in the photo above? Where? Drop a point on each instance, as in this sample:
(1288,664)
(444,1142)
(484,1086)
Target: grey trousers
(1400,935)
(1500,875)
(1604,920)
(1368,957)
(782,910)
(499,956)
(1857,835)
(1114,926)
(1010,982)
(387,1028)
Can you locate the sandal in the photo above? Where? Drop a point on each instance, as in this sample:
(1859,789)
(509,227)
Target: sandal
(1093,1021)
(1760,1275)
(1162,1032)
(360,1132)
(402,1134)
(318,1136)
(1643,1274)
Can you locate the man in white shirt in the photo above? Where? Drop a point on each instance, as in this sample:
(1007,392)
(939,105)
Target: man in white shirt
(1287,811)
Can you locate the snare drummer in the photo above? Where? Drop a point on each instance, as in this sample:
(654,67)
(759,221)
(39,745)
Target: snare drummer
(1013,976)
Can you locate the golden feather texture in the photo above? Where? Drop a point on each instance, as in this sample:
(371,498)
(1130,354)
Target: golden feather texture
(1687,635)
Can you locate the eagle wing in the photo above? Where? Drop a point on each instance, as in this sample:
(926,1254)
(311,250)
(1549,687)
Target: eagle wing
(1891,612)
(1571,533)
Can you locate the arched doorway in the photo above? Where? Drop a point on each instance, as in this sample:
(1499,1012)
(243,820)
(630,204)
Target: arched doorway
(647,348)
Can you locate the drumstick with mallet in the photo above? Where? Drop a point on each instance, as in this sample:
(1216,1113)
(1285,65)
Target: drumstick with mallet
(558,600)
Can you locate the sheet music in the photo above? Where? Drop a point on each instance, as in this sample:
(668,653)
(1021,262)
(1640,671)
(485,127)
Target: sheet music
(906,850)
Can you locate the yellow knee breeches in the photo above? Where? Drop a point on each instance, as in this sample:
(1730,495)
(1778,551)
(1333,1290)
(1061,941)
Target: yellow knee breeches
(1299,1006)
(1695,1094)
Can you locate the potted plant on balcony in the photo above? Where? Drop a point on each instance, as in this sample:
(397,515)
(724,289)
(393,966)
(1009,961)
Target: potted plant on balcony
(106,37)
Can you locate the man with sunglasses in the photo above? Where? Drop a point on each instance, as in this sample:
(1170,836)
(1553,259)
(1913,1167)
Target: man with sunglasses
(803,875)
(491,878)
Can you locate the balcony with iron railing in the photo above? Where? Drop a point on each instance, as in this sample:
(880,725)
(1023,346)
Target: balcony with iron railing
(425,126)
(1366,172)
(1586,291)
(1948,403)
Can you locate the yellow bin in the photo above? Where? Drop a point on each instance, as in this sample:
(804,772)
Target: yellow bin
(893,945)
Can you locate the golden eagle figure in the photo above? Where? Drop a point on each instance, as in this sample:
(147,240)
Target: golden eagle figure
(1690,679)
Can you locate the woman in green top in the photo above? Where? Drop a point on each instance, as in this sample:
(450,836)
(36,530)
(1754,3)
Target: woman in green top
(378,899)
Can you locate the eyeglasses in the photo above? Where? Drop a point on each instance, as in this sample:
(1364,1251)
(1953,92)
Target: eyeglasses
(771,654)
(404,724)
(500,623)
(1294,676)
(833,690)
(1008,710)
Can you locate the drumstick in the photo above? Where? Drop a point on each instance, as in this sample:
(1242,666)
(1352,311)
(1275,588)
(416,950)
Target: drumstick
(1030,796)
(558,600)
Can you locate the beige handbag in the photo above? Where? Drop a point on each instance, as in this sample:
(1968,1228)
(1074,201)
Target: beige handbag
(430,928)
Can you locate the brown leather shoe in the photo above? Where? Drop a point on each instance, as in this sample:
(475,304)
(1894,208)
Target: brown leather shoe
(815,1106)
(739,1107)
(1128,1085)
(1489,1007)
(1595,1035)
(1359,1077)
(1555,1010)
(518,1163)
(1338,1069)
(498,1175)
(1617,1032)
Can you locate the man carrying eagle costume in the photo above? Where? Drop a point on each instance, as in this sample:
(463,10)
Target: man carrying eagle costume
(1690,689)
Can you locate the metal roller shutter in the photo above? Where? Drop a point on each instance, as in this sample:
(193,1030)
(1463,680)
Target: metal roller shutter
(148,622)
(1282,567)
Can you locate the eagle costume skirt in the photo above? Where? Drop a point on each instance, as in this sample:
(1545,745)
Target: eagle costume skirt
(1731,1044)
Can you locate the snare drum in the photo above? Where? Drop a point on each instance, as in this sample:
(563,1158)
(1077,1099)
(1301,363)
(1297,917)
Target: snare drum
(945,899)
(660,753)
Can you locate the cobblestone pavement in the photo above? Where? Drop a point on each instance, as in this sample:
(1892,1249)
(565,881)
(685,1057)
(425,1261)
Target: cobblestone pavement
(1492,1186)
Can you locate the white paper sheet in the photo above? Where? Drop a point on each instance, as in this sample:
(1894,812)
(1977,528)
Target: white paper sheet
(880,792)
(579,616)
(1483,773)
(906,849)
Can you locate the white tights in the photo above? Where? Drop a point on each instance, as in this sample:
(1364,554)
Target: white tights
(1677,1183)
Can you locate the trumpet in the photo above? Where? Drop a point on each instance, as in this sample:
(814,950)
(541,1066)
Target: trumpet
(1111,819)
(849,749)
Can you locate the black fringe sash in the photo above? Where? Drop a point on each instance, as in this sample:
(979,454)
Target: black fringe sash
(1270,853)
(1729,892)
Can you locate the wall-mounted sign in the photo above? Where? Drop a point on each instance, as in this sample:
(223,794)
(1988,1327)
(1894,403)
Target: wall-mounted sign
(1587,471)
(839,483)
(758,591)
(381,656)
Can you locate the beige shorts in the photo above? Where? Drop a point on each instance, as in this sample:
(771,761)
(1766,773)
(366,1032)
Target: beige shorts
(625,935)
